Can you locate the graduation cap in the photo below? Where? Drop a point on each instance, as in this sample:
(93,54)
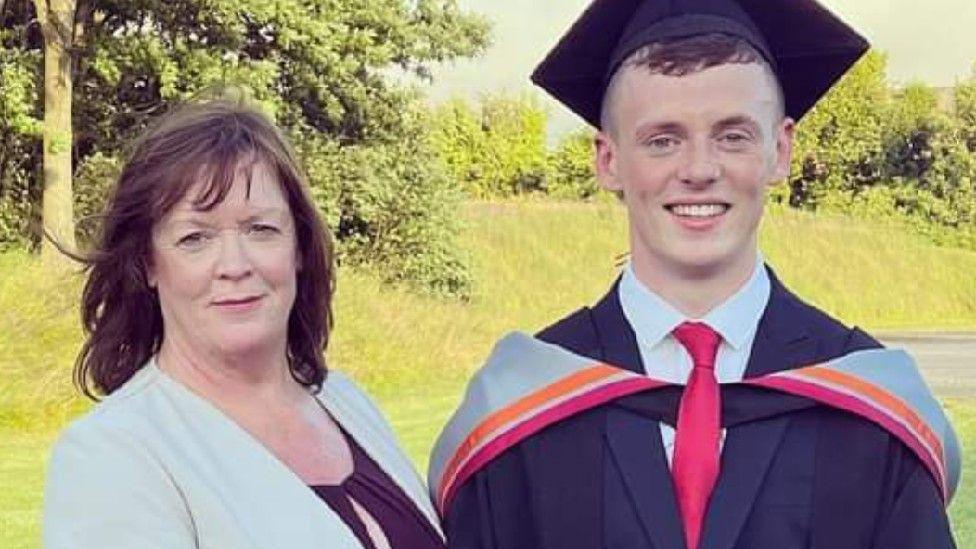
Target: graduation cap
(808,47)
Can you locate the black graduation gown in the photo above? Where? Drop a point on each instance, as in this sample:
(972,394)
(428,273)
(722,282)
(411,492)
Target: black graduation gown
(794,474)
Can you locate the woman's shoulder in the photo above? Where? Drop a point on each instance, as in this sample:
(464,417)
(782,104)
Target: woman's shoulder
(106,480)
(126,411)
(111,441)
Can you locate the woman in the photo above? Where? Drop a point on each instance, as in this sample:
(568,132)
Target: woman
(207,309)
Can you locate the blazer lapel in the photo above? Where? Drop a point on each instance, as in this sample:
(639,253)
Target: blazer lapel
(616,339)
(781,343)
(634,441)
(267,500)
(636,450)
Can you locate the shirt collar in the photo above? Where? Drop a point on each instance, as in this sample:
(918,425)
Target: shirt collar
(735,319)
(651,316)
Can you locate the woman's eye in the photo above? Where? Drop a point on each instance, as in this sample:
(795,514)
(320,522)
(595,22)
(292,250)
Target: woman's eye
(262,228)
(193,239)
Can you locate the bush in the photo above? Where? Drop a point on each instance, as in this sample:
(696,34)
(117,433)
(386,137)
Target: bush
(496,150)
(912,125)
(965,102)
(570,171)
(92,181)
(839,142)
(394,215)
(869,152)
(17,208)
(19,143)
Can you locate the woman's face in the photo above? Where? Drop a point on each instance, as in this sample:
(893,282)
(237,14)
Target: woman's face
(226,278)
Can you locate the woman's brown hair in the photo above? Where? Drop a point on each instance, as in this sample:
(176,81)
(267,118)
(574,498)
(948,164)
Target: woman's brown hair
(207,143)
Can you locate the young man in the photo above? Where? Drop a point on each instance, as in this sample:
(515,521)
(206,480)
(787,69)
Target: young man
(699,404)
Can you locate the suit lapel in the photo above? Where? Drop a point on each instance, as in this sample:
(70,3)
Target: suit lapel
(637,452)
(616,339)
(634,442)
(781,343)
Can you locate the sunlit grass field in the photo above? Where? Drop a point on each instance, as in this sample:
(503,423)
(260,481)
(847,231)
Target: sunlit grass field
(533,263)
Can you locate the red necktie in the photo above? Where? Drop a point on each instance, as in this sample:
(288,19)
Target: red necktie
(696,446)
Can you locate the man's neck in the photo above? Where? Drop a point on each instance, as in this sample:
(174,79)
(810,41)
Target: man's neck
(695,291)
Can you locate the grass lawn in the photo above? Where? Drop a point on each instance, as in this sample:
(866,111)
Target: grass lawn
(532,263)
(963,508)
(22,482)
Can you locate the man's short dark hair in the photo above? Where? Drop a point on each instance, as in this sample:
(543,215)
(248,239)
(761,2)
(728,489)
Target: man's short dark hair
(684,56)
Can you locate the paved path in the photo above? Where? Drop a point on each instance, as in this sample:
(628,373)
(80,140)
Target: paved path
(947,360)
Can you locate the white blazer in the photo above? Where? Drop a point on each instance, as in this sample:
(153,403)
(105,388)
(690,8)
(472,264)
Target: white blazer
(155,465)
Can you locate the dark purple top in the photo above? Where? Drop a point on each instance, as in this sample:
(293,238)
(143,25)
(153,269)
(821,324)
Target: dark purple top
(402,522)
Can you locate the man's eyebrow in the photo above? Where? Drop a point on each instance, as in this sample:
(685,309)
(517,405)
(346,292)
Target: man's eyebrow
(646,130)
(738,120)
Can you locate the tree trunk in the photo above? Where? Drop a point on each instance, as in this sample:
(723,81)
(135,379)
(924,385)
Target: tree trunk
(57,23)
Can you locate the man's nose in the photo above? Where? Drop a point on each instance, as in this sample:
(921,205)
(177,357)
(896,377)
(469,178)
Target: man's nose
(700,166)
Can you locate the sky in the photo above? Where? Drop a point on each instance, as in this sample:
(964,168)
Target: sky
(933,41)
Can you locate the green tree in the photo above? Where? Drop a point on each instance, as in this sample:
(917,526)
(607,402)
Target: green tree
(839,145)
(328,70)
(57,21)
(912,125)
(571,167)
(21,127)
(964,95)
(495,149)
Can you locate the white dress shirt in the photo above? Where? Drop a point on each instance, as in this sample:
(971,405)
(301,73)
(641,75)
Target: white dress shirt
(653,319)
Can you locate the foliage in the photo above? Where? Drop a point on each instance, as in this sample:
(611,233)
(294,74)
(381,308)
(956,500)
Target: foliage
(20,129)
(872,152)
(838,144)
(964,97)
(92,181)
(402,215)
(324,68)
(912,124)
(570,167)
(497,150)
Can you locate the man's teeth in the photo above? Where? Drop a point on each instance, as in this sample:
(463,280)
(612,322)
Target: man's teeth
(698,210)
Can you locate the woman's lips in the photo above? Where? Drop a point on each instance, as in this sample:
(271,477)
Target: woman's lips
(238,304)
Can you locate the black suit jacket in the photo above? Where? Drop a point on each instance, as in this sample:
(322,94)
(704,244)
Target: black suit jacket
(794,474)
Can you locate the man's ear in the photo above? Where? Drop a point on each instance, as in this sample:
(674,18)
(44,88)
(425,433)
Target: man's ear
(784,149)
(606,161)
